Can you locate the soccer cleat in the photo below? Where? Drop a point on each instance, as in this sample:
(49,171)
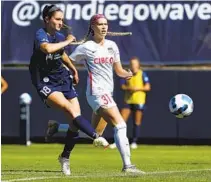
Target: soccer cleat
(132,169)
(133,145)
(52,129)
(65,165)
(100,141)
(112,146)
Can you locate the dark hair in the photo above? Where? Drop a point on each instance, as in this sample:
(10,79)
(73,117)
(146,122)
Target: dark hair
(136,58)
(48,11)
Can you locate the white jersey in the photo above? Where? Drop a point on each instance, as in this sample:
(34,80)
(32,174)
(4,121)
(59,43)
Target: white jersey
(99,61)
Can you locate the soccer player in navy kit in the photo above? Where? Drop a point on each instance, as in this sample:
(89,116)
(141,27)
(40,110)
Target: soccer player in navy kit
(53,83)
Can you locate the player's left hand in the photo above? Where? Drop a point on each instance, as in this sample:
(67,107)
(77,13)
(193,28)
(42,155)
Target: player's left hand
(75,78)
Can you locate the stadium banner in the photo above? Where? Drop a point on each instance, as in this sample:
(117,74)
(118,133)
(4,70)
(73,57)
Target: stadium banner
(174,32)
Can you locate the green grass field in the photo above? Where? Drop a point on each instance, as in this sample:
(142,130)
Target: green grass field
(162,163)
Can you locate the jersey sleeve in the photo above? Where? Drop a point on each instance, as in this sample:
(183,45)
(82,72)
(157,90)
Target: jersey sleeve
(78,54)
(145,78)
(116,53)
(41,37)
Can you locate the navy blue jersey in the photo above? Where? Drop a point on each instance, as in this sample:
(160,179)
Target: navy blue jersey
(46,65)
(47,71)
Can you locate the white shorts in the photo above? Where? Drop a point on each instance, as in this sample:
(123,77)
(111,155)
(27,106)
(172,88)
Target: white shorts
(96,101)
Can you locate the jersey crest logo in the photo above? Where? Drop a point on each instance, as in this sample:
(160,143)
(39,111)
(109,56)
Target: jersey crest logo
(110,50)
(49,56)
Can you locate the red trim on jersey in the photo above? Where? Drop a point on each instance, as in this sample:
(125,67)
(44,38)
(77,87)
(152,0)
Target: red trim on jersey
(90,79)
(90,76)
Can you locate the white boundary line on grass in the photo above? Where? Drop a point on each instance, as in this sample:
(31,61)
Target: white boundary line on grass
(184,171)
(109,175)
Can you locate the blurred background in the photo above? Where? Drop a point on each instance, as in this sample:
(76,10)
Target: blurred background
(172,40)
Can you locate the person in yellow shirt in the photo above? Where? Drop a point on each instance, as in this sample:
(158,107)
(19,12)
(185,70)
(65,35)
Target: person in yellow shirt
(135,90)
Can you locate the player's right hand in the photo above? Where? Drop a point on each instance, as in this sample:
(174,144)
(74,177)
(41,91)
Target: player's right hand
(70,38)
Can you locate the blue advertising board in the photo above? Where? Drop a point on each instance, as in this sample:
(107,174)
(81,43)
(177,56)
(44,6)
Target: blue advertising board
(174,32)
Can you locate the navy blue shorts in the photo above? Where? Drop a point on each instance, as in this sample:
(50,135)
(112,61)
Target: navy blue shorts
(47,87)
(135,107)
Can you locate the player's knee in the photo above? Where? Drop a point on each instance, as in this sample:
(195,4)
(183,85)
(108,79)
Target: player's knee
(66,107)
(70,110)
(122,122)
(121,125)
(137,123)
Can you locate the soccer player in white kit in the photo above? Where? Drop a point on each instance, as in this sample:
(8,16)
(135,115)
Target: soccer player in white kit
(101,56)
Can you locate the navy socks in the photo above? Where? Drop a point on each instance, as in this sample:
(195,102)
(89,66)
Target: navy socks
(85,126)
(70,141)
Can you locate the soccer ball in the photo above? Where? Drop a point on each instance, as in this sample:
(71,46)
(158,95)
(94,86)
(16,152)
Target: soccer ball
(181,105)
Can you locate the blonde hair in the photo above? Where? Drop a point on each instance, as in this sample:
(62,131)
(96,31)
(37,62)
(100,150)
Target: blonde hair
(90,31)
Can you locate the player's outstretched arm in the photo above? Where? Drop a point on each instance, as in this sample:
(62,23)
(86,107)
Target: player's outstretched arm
(49,48)
(122,72)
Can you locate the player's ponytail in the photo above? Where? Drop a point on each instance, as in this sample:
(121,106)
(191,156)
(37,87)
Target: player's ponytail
(108,34)
(119,33)
(86,37)
(91,32)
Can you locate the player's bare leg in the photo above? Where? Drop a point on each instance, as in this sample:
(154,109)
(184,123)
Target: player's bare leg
(125,112)
(98,123)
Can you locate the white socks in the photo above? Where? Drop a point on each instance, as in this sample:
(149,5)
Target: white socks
(122,143)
